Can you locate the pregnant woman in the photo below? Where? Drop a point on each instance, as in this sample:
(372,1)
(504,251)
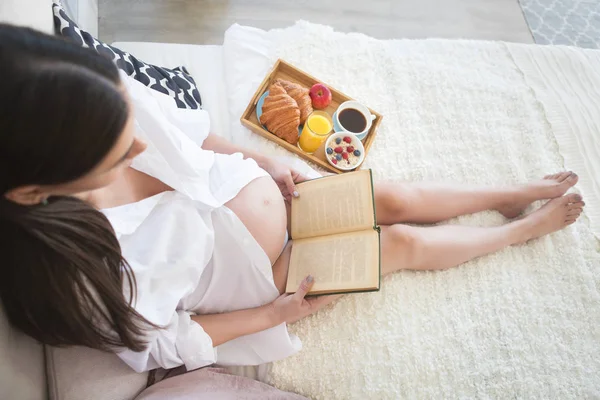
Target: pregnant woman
(119,232)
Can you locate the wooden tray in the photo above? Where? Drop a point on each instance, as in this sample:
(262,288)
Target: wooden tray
(283,70)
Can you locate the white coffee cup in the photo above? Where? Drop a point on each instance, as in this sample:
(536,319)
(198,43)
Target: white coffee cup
(338,127)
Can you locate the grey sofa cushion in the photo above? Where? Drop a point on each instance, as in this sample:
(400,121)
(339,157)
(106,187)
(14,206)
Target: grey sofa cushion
(22,373)
(80,373)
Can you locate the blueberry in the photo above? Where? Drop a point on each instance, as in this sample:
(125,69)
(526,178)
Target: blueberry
(357,153)
(338,157)
(338,140)
(329,150)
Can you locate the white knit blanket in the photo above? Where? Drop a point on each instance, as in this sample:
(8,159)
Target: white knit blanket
(521,323)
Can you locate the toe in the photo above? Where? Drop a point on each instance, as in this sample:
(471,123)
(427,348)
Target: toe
(572,179)
(579,204)
(562,176)
(573,198)
(569,221)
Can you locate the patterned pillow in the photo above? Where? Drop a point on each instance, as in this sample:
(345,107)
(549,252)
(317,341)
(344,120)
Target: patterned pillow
(176,82)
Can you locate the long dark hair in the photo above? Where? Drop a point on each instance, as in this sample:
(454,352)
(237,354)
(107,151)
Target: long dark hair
(62,274)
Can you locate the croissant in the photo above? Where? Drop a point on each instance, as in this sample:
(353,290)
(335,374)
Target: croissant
(280,114)
(300,94)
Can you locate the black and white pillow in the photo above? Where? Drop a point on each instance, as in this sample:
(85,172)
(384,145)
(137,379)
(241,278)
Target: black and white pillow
(176,82)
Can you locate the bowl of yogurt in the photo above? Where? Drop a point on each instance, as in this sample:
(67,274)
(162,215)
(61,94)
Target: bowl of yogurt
(344,151)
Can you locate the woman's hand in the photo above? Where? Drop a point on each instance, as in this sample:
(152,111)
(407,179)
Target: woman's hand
(284,176)
(290,308)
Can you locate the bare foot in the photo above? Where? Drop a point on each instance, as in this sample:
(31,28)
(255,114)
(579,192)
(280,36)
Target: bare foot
(551,217)
(520,196)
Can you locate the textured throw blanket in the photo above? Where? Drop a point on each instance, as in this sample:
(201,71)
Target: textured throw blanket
(521,323)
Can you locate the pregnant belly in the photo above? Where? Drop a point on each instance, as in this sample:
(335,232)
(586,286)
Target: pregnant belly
(260,206)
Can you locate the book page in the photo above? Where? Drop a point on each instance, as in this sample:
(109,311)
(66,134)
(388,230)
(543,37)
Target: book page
(333,204)
(337,262)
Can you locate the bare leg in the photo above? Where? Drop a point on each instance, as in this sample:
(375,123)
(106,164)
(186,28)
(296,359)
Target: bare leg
(424,203)
(441,247)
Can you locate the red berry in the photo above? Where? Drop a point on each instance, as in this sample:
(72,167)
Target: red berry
(338,149)
(333,160)
(345,156)
(347,139)
(350,149)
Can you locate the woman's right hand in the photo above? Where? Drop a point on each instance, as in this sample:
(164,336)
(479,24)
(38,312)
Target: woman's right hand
(293,307)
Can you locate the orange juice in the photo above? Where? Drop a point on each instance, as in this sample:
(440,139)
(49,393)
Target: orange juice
(316,129)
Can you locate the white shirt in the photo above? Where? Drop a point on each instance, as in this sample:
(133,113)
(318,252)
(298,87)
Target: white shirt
(189,253)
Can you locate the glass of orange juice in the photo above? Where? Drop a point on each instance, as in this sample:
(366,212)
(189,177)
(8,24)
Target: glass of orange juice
(316,129)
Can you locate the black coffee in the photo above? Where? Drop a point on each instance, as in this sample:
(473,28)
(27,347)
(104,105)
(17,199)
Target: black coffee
(352,120)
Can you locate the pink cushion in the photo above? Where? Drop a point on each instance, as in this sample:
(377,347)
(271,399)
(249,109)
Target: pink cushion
(214,384)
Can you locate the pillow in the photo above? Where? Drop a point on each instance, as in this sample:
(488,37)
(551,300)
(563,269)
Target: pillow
(176,82)
(247,59)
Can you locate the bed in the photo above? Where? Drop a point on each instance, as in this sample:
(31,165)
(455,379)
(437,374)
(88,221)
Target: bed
(520,323)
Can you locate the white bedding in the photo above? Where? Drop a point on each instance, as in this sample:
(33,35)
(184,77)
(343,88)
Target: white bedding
(522,323)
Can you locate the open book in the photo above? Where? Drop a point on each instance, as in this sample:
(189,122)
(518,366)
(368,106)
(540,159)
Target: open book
(336,237)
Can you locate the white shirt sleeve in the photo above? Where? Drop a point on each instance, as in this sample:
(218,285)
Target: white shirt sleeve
(182,341)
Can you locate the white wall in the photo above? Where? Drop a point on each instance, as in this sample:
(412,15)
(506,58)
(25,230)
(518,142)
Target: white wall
(85,13)
(36,14)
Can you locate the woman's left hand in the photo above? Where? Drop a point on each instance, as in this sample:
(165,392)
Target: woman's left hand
(284,176)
